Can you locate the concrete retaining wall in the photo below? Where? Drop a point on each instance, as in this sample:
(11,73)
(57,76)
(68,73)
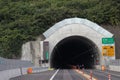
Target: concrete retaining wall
(31,52)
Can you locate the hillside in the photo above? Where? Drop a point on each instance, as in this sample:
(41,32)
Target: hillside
(24,20)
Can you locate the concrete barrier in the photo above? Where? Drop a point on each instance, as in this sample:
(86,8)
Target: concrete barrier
(110,67)
(98,67)
(114,68)
(7,74)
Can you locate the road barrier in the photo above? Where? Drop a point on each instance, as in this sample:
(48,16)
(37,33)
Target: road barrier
(29,70)
(7,74)
(83,70)
(103,68)
(110,67)
(109,77)
(91,75)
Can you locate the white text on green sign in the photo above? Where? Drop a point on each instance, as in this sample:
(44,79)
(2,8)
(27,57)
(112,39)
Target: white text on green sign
(107,40)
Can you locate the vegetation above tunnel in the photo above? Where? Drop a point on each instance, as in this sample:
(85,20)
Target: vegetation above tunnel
(24,20)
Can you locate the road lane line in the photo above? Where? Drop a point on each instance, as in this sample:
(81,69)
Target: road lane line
(54,75)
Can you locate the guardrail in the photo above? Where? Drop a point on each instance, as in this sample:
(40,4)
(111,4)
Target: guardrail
(7,74)
(114,65)
(110,67)
(7,64)
(115,62)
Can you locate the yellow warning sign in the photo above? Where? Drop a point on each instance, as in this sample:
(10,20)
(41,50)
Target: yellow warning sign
(108,51)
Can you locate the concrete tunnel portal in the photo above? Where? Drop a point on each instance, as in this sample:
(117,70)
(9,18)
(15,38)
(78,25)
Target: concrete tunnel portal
(75,41)
(72,41)
(74,50)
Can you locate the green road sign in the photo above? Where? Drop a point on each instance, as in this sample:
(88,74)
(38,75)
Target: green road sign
(107,40)
(47,55)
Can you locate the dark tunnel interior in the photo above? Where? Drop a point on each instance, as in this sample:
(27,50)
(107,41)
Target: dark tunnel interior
(74,51)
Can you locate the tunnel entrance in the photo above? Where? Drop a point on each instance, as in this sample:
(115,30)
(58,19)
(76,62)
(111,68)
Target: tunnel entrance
(74,50)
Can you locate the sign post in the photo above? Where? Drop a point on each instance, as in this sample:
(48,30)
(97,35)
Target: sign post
(46,52)
(108,49)
(47,55)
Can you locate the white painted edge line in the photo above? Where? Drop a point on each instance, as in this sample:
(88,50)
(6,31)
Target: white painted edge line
(87,76)
(54,75)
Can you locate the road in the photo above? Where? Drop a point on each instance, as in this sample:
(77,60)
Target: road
(52,75)
(37,76)
(103,75)
(69,75)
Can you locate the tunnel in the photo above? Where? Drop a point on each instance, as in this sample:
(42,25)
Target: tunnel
(74,51)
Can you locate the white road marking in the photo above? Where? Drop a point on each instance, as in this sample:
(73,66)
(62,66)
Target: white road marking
(85,75)
(54,75)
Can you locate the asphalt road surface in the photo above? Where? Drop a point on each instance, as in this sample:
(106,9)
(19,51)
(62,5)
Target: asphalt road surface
(68,75)
(37,76)
(52,75)
(103,75)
